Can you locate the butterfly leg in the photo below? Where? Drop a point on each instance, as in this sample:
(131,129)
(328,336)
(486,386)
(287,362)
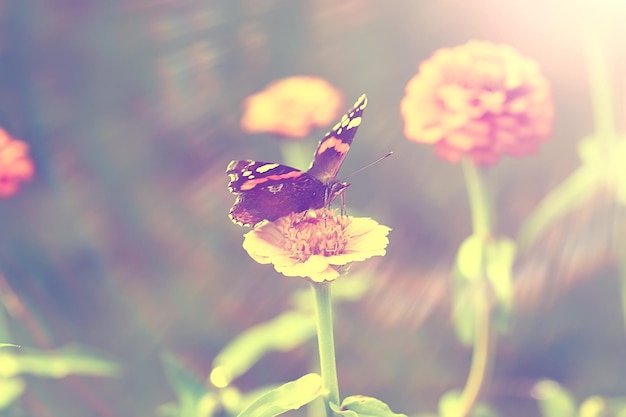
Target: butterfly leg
(342,201)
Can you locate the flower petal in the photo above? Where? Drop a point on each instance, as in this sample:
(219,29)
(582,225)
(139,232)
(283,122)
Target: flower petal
(15,165)
(320,248)
(316,268)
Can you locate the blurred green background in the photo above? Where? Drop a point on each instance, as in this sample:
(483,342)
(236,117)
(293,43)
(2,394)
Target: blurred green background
(122,242)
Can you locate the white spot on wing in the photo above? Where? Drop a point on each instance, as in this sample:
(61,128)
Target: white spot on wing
(354,123)
(267,167)
(275,188)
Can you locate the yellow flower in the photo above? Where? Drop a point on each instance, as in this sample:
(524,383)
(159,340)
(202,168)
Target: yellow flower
(481,100)
(292,107)
(316,244)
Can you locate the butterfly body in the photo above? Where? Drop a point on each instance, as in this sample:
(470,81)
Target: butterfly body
(267,191)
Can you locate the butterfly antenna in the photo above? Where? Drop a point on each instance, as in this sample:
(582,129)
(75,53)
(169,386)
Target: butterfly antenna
(369,165)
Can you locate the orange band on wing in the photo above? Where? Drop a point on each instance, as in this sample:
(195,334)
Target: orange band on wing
(334,143)
(250,184)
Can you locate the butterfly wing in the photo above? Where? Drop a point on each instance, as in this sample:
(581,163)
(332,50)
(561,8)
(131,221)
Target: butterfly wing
(332,149)
(267,191)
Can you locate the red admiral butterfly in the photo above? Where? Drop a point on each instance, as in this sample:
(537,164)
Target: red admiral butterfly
(267,191)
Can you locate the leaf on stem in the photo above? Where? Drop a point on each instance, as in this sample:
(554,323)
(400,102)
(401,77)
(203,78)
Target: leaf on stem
(570,194)
(193,399)
(55,364)
(470,258)
(499,258)
(362,406)
(469,270)
(289,396)
(10,390)
(283,333)
(449,406)
(554,400)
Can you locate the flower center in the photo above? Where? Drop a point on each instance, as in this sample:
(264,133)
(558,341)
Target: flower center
(315,232)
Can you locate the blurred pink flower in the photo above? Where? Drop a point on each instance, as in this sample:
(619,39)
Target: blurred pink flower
(292,107)
(481,100)
(15,165)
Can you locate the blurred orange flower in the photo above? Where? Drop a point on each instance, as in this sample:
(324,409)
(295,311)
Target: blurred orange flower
(316,244)
(15,165)
(292,107)
(479,99)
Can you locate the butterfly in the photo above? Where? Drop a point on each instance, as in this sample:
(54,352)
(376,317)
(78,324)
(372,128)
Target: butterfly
(268,191)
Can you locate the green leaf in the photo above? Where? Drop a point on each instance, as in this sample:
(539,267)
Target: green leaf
(616,406)
(10,390)
(168,410)
(349,288)
(499,258)
(449,403)
(249,397)
(619,409)
(607,158)
(55,364)
(463,315)
(477,259)
(449,406)
(193,399)
(284,333)
(289,396)
(500,255)
(362,406)
(469,273)
(591,153)
(9,366)
(8,345)
(621,191)
(570,194)
(554,400)
(594,406)
(470,257)
(619,162)
(483,410)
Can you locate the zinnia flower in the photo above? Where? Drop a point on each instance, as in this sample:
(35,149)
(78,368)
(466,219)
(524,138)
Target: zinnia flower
(316,244)
(292,107)
(479,99)
(15,165)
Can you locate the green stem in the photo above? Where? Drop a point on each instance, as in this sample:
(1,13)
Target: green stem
(621,264)
(481,225)
(601,90)
(480,355)
(4,296)
(479,204)
(326,343)
(604,114)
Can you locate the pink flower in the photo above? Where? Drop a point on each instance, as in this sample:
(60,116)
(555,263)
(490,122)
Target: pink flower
(479,100)
(15,165)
